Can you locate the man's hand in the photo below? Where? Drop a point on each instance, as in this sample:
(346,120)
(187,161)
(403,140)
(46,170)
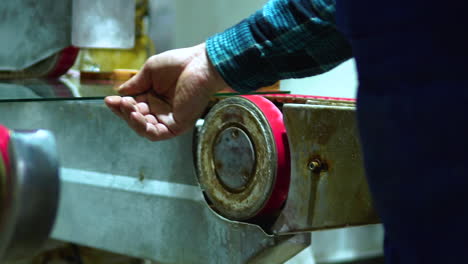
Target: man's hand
(170,93)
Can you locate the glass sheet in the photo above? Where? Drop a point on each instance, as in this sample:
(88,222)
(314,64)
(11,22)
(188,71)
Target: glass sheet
(65,88)
(55,89)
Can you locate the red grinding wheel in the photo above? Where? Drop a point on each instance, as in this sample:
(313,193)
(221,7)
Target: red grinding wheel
(65,60)
(4,156)
(51,67)
(283,170)
(6,196)
(243,158)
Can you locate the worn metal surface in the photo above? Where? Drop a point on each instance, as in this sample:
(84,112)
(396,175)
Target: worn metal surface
(243,114)
(30,194)
(32,31)
(285,249)
(234,158)
(124,194)
(334,194)
(103,23)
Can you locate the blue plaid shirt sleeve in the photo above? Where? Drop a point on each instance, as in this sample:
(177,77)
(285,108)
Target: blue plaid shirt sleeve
(285,39)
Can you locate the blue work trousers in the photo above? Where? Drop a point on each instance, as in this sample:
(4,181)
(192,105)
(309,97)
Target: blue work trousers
(412,62)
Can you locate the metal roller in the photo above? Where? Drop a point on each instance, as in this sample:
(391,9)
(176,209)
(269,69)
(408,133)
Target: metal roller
(29,190)
(243,159)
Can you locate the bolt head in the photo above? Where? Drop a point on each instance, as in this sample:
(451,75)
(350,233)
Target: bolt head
(315,165)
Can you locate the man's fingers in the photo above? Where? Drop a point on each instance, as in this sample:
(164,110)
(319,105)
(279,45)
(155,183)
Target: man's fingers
(138,123)
(139,83)
(124,107)
(157,132)
(127,106)
(148,126)
(138,117)
(113,102)
(163,112)
(151,119)
(143,108)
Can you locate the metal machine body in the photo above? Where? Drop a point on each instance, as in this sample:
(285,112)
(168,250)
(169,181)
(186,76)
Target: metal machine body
(328,184)
(46,24)
(327,187)
(122,194)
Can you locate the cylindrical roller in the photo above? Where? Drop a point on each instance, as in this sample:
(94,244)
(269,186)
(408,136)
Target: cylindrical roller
(6,192)
(29,191)
(243,159)
(52,66)
(4,157)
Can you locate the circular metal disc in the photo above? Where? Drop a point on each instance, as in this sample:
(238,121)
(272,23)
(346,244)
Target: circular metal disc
(237,158)
(234,158)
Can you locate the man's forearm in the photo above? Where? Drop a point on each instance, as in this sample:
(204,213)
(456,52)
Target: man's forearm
(285,39)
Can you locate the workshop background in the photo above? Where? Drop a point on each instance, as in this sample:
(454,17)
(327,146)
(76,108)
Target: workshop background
(192,23)
(173,24)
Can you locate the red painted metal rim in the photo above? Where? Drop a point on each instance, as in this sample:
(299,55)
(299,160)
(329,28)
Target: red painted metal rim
(4,143)
(65,61)
(280,190)
(312,97)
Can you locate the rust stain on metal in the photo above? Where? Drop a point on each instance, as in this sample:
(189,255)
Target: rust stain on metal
(218,166)
(141,174)
(338,195)
(317,164)
(232,117)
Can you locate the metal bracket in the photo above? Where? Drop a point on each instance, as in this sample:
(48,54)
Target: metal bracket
(328,187)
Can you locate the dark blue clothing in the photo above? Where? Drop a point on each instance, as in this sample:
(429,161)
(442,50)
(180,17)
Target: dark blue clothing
(412,113)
